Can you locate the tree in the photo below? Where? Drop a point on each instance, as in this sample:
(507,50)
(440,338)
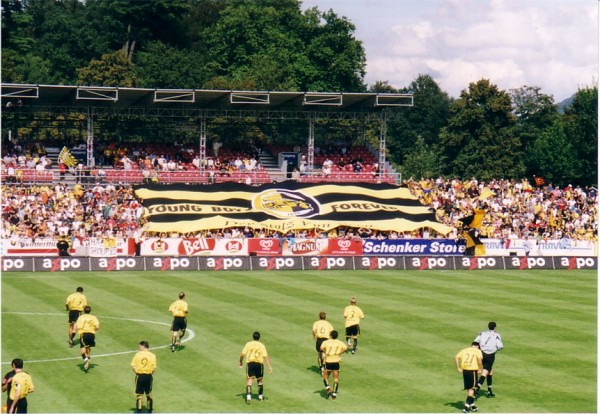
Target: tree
(422,161)
(581,119)
(534,112)
(478,140)
(112,69)
(555,155)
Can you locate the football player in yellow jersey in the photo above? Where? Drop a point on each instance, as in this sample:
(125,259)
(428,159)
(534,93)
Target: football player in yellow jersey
(332,349)
(22,385)
(469,361)
(179,309)
(321,331)
(353,314)
(256,355)
(87,326)
(75,303)
(144,365)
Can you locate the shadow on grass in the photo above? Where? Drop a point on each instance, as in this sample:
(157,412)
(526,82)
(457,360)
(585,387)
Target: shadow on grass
(322,393)
(314,368)
(458,405)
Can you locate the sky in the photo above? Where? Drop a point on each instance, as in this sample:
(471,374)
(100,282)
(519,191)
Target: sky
(550,44)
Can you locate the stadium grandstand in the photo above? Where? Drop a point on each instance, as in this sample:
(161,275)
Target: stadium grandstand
(89,192)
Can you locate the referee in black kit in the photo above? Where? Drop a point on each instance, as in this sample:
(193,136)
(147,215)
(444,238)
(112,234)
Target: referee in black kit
(490,342)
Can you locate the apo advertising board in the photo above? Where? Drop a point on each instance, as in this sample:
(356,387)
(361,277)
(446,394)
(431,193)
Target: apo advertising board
(223,263)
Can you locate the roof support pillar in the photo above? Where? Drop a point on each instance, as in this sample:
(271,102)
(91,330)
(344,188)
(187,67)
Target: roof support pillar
(90,162)
(202,145)
(311,142)
(382,144)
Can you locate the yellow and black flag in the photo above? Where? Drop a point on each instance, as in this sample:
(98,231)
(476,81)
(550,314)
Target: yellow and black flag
(284,206)
(67,158)
(474,245)
(475,220)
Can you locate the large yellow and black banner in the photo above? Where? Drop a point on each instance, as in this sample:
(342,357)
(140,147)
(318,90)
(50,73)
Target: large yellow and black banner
(283,206)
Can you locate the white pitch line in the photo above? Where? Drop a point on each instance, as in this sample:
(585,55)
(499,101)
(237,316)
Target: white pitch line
(188,337)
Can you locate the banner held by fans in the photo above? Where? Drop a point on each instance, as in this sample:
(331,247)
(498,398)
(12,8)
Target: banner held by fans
(283,207)
(67,158)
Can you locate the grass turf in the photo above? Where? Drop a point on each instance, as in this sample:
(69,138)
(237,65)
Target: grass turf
(415,322)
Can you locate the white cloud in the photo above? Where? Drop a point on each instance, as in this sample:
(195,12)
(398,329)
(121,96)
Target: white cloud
(552,44)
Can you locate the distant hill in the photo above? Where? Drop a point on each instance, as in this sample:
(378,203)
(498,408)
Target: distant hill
(561,106)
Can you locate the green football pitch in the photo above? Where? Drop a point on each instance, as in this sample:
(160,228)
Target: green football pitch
(416,321)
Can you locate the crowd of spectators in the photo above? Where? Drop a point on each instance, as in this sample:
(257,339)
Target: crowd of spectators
(513,209)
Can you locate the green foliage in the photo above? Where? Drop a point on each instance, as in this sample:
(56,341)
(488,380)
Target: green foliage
(479,140)
(416,321)
(111,70)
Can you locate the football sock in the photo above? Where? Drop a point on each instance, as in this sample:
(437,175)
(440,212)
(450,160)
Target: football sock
(138,404)
(260,389)
(72,335)
(489,381)
(335,387)
(326,383)
(480,381)
(248,389)
(150,403)
(355,344)
(470,400)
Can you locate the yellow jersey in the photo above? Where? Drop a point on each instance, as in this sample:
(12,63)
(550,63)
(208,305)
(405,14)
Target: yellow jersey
(179,308)
(333,349)
(76,301)
(254,351)
(23,383)
(87,323)
(469,359)
(144,362)
(321,329)
(353,314)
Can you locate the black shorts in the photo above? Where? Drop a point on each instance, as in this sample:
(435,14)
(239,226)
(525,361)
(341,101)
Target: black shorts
(21,406)
(255,370)
(179,323)
(74,315)
(87,340)
(353,330)
(332,366)
(318,344)
(488,361)
(469,379)
(143,384)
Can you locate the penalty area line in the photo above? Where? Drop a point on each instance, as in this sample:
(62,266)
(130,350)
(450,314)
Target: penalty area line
(190,335)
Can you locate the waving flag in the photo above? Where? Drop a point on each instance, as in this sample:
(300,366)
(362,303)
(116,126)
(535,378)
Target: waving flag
(67,158)
(284,206)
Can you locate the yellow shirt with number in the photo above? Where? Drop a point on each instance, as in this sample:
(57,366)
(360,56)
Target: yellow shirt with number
(87,323)
(322,329)
(254,351)
(144,362)
(468,358)
(333,349)
(353,314)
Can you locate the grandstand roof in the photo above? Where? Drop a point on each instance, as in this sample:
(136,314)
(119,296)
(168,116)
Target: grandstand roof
(197,100)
